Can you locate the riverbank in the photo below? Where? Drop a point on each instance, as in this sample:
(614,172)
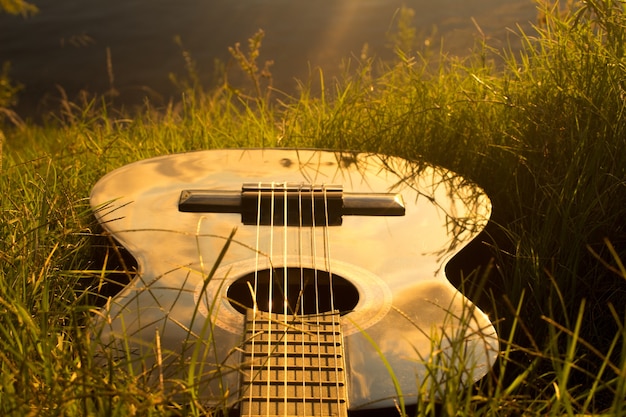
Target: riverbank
(544,136)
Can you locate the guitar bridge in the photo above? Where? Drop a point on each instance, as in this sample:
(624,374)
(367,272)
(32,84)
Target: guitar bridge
(272,204)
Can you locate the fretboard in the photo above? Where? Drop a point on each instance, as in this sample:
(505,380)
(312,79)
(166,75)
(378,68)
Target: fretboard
(293,366)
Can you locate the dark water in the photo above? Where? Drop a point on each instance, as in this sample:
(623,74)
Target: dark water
(68,42)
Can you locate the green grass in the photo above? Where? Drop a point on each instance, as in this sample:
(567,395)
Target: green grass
(543,131)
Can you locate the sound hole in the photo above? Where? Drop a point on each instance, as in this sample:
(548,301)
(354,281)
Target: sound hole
(308,292)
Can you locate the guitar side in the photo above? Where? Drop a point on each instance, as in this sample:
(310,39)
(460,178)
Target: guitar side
(407,316)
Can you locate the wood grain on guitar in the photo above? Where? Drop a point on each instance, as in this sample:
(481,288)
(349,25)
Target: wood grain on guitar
(293,282)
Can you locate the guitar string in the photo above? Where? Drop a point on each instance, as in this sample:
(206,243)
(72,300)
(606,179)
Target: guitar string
(299,305)
(254,300)
(334,329)
(270,302)
(327,265)
(301,300)
(317,300)
(285,301)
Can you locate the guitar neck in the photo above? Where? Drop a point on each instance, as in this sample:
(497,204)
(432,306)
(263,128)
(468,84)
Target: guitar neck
(293,366)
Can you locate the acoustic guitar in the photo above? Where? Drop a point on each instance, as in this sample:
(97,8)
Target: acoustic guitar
(289,282)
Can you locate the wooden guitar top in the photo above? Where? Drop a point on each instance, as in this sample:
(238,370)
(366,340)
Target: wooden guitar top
(177,319)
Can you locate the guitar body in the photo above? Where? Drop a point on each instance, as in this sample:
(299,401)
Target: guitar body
(202,266)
